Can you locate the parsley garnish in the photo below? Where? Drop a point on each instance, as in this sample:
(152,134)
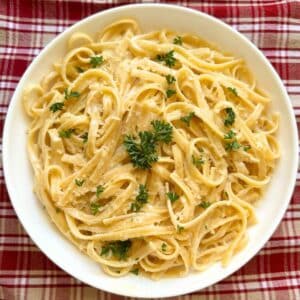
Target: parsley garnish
(94,207)
(180,228)
(168,58)
(79,69)
(135,271)
(177,40)
(187,119)
(204,204)
(230,118)
(162,131)
(197,161)
(172,196)
(57,106)
(163,247)
(66,133)
(247,147)
(119,249)
(143,152)
(229,135)
(96,61)
(170,93)
(99,190)
(170,79)
(70,95)
(140,199)
(233,91)
(79,182)
(85,137)
(232,146)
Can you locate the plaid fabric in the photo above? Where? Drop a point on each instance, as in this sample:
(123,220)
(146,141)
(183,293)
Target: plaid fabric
(27,26)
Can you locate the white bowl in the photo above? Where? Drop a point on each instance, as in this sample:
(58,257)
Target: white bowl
(19,176)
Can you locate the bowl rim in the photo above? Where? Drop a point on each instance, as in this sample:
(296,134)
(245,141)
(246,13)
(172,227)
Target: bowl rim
(196,13)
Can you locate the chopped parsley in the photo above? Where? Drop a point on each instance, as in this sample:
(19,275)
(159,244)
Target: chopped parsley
(233,91)
(229,135)
(66,133)
(204,204)
(57,106)
(170,79)
(79,69)
(197,161)
(167,58)
(173,197)
(71,94)
(94,207)
(142,151)
(135,271)
(140,199)
(85,137)
(170,93)
(118,249)
(96,61)
(187,119)
(234,145)
(163,247)
(230,118)
(180,228)
(79,182)
(177,40)
(247,147)
(99,190)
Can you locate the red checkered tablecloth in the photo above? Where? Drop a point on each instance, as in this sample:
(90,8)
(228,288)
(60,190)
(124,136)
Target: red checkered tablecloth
(27,26)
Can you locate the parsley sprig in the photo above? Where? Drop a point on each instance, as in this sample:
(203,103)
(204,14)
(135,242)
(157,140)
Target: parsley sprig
(71,94)
(197,161)
(170,79)
(162,131)
(57,106)
(168,58)
(66,133)
(187,119)
(140,199)
(177,40)
(233,144)
(170,93)
(118,249)
(94,207)
(142,151)
(204,204)
(230,117)
(173,197)
(96,61)
(79,182)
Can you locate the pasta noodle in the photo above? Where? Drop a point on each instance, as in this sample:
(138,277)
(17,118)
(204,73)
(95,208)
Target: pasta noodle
(150,150)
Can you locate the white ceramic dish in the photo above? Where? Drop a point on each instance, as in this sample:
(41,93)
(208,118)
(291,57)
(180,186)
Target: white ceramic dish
(19,177)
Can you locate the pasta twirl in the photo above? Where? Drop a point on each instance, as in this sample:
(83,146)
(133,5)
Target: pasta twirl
(150,150)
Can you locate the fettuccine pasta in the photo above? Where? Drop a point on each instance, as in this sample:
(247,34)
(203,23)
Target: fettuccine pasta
(150,150)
